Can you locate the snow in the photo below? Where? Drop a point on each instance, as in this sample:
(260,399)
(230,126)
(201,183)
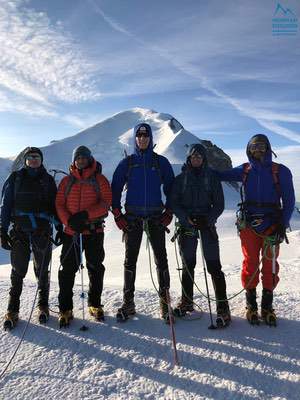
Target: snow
(134,360)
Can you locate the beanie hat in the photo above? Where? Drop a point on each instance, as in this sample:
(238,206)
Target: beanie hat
(81,151)
(30,149)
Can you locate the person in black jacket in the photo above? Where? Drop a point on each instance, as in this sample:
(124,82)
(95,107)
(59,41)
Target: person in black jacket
(197,200)
(28,202)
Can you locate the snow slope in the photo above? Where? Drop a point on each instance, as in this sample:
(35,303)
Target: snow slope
(134,360)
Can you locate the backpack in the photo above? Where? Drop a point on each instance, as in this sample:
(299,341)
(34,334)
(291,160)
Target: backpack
(275,175)
(17,179)
(92,180)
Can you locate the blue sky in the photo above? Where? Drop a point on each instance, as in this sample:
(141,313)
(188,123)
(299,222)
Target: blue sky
(215,66)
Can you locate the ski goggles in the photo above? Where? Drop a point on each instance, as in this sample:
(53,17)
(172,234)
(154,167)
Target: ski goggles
(33,157)
(259,146)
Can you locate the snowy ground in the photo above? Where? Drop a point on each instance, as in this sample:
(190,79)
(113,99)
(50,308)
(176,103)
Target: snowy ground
(134,360)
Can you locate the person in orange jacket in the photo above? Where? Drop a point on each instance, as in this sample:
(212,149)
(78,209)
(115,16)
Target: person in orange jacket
(82,202)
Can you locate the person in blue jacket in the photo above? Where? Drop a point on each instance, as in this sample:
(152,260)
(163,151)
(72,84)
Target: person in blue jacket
(267,206)
(143,173)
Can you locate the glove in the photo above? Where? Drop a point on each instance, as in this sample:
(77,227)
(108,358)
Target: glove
(78,221)
(280,233)
(5,241)
(166,217)
(199,221)
(58,240)
(120,219)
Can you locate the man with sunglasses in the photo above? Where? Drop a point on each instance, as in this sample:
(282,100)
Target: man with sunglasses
(267,205)
(143,172)
(28,202)
(197,201)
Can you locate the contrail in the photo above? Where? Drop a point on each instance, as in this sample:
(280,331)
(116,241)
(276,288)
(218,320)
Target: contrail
(195,73)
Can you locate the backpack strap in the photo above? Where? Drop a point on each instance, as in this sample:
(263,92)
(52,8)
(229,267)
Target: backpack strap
(275,175)
(92,180)
(155,165)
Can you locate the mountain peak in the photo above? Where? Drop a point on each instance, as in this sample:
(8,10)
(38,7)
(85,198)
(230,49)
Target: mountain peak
(109,138)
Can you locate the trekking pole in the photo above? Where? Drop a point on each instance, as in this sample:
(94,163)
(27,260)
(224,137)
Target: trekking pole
(176,362)
(273,264)
(168,301)
(84,327)
(212,326)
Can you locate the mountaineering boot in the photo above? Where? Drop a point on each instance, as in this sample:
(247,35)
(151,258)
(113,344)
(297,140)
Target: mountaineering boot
(126,309)
(267,312)
(269,317)
(223,315)
(10,320)
(43,314)
(164,309)
(183,307)
(97,313)
(64,318)
(251,308)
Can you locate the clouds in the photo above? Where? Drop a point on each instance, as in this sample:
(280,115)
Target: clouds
(225,60)
(40,62)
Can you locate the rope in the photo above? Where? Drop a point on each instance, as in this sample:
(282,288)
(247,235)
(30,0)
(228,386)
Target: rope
(180,279)
(268,241)
(29,318)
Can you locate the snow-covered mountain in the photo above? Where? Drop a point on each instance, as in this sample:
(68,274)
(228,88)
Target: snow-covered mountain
(109,138)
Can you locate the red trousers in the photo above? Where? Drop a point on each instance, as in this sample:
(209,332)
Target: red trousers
(253,250)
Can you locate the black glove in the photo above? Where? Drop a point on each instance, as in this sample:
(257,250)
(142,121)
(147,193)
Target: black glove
(280,234)
(199,221)
(58,240)
(78,221)
(5,241)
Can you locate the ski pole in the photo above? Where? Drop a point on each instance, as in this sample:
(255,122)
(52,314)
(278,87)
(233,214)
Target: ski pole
(212,326)
(176,362)
(84,327)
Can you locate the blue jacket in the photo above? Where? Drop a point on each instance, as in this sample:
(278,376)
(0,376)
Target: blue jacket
(260,188)
(144,180)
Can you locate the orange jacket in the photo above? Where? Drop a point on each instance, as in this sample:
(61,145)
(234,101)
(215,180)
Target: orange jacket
(83,197)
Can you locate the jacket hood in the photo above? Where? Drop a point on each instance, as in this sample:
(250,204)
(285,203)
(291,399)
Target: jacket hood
(264,139)
(196,148)
(148,127)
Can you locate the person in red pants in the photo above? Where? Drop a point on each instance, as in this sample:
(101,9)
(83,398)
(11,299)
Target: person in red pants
(268,201)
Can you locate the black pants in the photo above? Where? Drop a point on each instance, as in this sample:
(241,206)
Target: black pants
(133,240)
(70,261)
(188,249)
(23,243)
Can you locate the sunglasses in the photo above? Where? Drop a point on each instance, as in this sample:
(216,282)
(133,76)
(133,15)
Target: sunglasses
(140,134)
(196,155)
(33,157)
(258,147)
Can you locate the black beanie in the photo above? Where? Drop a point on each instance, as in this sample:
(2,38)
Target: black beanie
(81,151)
(30,149)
